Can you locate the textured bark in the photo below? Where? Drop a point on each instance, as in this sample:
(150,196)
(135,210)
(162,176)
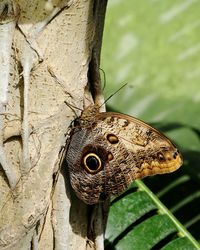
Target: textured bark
(49,54)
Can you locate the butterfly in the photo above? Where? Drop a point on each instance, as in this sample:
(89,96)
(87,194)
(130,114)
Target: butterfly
(107,151)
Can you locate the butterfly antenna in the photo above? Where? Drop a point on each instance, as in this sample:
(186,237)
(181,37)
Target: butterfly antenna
(104,78)
(72,107)
(113,94)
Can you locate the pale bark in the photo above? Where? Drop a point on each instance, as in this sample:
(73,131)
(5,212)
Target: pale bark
(49,54)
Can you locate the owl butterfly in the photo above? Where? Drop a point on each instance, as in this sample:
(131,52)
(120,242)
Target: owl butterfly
(108,150)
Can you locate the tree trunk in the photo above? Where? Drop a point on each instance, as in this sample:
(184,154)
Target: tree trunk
(49,54)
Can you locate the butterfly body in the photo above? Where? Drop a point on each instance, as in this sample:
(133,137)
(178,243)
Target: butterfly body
(108,150)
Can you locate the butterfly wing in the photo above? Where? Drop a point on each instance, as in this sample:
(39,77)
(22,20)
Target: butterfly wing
(153,150)
(105,156)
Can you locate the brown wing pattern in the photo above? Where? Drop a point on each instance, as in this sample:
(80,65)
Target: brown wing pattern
(108,153)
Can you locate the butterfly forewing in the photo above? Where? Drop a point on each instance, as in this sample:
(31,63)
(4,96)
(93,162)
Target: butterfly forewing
(109,150)
(148,145)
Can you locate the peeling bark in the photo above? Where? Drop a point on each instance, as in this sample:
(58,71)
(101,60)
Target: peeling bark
(51,54)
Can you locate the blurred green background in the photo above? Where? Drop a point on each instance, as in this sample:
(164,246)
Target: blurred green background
(154,46)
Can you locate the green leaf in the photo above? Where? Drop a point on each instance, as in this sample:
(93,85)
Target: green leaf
(154,46)
(127,212)
(148,233)
(179,244)
(139,219)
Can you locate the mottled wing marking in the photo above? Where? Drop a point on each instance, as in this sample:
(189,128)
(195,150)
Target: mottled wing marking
(127,147)
(144,144)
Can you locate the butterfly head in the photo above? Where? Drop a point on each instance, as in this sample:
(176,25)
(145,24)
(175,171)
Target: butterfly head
(87,116)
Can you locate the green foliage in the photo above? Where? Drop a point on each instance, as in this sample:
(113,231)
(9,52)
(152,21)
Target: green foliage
(154,46)
(138,220)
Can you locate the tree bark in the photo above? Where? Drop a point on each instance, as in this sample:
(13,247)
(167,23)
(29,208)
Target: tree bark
(49,55)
